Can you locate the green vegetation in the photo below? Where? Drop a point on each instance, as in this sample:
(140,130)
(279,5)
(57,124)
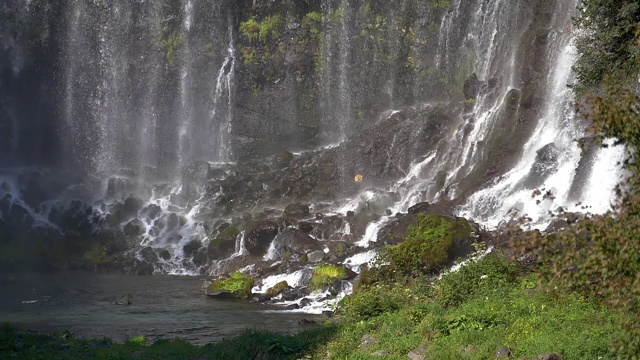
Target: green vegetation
(239,284)
(607,44)
(430,239)
(168,42)
(325,275)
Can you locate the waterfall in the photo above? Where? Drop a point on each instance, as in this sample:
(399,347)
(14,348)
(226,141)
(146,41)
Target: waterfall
(153,108)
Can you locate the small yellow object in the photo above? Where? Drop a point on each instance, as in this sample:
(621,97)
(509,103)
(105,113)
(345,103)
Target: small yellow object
(358,178)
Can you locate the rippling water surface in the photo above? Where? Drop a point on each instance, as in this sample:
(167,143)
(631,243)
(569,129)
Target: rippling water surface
(163,307)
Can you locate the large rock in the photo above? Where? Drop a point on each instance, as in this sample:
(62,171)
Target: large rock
(293,241)
(134,227)
(259,236)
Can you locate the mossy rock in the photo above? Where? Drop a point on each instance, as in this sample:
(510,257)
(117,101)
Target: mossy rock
(277,289)
(432,242)
(238,284)
(326,274)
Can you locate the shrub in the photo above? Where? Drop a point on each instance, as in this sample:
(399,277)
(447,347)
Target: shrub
(487,274)
(373,302)
(428,245)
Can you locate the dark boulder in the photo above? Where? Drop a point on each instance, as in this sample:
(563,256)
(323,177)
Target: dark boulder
(147,254)
(191,247)
(134,227)
(294,241)
(259,236)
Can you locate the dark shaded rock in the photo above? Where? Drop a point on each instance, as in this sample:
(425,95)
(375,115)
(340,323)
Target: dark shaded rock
(134,227)
(152,211)
(292,307)
(124,300)
(305,227)
(191,247)
(165,255)
(297,210)
(294,294)
(200,258)
(259,236)
(132,205)
(422,207)
(329,228)
(471,87)
(294,241)
(148,255)
(546,163)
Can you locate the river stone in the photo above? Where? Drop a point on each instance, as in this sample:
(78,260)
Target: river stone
(124,300)
(315,256)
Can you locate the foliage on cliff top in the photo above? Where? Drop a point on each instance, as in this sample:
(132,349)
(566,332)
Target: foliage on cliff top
(608,44)
(599,257)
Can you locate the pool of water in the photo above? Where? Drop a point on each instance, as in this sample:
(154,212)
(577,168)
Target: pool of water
(163,307)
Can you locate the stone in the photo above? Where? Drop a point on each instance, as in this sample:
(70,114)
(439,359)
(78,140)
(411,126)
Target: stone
(124,300)
(315,256)
(294,241)
(417,353)
(259,236)
(191,247)
(367,343)
(503,352)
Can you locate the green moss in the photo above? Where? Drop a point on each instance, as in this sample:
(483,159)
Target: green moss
(430,238)
(277,288)
(239,284)
(169,41)
(325,275)
(230,233)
